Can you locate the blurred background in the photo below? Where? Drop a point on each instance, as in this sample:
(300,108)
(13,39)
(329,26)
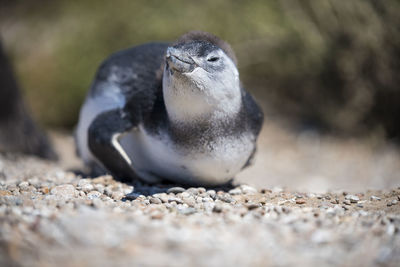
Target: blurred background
(316,67)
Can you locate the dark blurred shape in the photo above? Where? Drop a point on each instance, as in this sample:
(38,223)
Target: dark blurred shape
(18,132)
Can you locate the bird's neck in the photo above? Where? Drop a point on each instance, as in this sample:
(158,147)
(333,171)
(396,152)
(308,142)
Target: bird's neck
(195,107)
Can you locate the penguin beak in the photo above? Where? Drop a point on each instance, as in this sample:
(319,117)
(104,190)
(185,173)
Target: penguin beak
(178,60)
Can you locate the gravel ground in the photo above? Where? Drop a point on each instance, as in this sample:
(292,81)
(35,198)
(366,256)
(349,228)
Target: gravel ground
(51,216)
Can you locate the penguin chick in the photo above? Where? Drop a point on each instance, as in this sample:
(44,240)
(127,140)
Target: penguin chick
(170,111)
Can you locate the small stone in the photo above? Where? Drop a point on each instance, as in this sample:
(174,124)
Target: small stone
(24,186)
(211,193)
(360,205)
(226,198)
(265,191)
(217,208)
(44,190)
(207,199)
(127,190)
(99,187)
(190,201)
(346,202)
(201,190)
(162,196)
(252,206)
(117,195)
(235,191)
(352,198)
(246,189)
(185,194)
(83,182)
(187,211)
(175,199)
(176,190)
(155,200)
(375,198)
(262,201)
(87,188)
(65,191)
(193,191)
(300,201)
(93,194)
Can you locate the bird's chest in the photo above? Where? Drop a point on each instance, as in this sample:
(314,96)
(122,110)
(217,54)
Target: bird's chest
(207,159)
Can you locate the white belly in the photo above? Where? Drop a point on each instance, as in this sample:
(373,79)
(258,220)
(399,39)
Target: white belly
(158,156)
(111,99)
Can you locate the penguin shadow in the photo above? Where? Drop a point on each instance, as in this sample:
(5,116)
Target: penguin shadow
(141,188)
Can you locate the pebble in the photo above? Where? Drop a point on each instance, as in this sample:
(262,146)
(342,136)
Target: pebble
(64,191)
(93,194)
(391,203)
(164,197)
(185,195)
(176,190)
(190,201)
(217,208)
(155,200)
(23,185)
(252,206)
(87,188)
(352,198)
(44,190)
(99,188)
(300,201)
(175,199)
(346,202)
(193,191)
(226,198)
(212,193)
(246,189)
(235,191)
(335,201)
(201,190)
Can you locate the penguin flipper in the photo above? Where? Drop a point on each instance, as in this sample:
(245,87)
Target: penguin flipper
(103,141)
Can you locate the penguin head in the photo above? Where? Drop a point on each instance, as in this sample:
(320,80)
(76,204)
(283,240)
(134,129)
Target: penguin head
(201,78)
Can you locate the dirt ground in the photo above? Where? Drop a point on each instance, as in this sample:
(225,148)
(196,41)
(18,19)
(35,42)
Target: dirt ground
(308,200)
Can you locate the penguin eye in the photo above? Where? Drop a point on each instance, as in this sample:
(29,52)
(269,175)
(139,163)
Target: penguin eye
(213,59)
